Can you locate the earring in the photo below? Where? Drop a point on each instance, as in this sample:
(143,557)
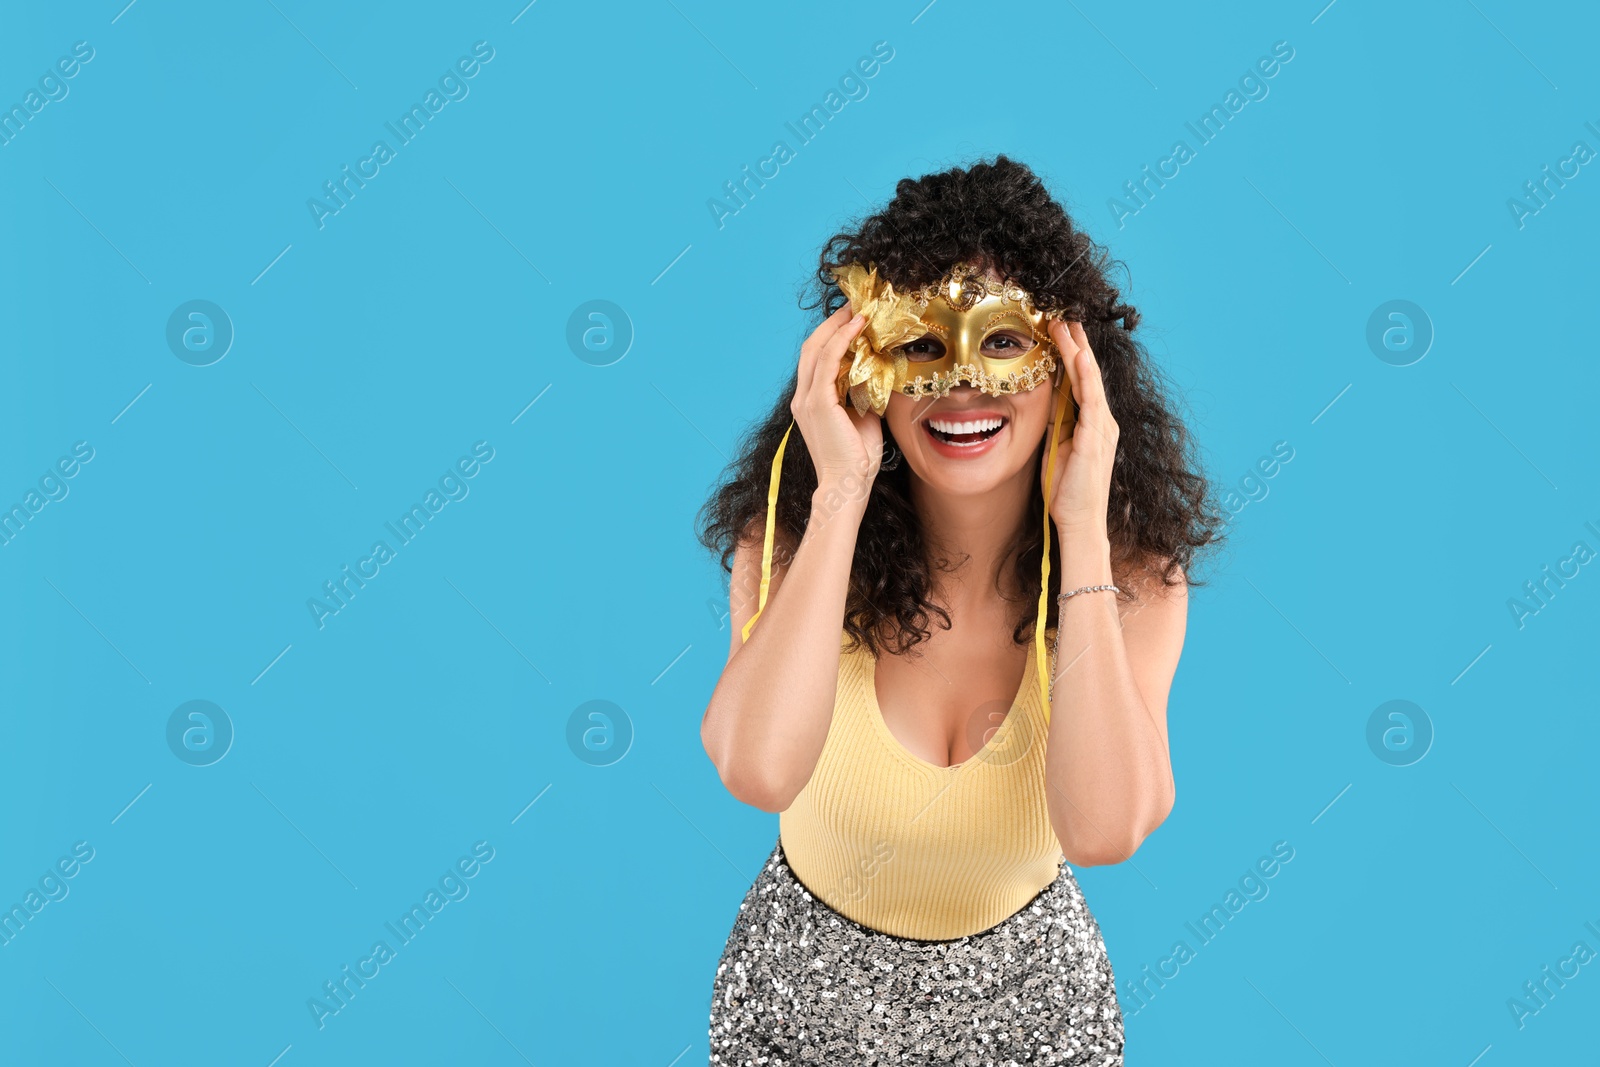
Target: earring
(891,462)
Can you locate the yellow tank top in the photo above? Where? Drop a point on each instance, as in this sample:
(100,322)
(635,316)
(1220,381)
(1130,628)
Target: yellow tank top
(913,849)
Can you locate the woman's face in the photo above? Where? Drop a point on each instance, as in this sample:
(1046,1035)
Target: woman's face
(968,442)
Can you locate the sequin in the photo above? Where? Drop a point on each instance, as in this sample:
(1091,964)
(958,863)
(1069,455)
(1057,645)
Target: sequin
(798,983)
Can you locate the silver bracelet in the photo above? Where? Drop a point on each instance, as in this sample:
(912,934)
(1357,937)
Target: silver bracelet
(1055,653)
(1088,589)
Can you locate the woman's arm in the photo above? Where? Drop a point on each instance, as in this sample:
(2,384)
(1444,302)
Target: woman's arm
(1108,770)
(1108,773)
(769,714)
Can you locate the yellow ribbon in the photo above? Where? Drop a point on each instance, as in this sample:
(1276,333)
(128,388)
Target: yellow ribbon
(766,545)
(1042,669)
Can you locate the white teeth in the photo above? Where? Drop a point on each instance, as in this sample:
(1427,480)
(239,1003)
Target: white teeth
(973,426)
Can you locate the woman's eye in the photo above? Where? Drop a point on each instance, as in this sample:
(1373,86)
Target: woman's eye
(924,348)
(1006,345)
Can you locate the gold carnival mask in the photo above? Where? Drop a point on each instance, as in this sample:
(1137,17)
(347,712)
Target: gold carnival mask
(963,314)
(963,328)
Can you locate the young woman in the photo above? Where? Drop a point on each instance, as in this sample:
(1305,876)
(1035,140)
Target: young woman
(973,385)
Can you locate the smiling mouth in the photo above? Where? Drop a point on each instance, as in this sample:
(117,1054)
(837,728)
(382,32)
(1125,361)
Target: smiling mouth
(966,432)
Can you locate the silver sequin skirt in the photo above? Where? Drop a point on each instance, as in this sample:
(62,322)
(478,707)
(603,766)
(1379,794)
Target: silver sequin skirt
(799,983)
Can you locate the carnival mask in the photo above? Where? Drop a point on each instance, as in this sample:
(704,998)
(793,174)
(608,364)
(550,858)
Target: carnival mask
(964,328)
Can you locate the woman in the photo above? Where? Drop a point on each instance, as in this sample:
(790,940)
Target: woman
(920,905)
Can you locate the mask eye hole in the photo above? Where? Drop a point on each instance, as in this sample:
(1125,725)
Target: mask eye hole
(924,349)
(1007,344)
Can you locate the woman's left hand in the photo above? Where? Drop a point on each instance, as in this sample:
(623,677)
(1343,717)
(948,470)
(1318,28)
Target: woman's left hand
(1082,477)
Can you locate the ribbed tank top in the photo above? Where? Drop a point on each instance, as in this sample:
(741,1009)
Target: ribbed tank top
(913,849)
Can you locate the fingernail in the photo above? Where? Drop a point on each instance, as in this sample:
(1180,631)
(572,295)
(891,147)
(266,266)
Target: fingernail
(858,318)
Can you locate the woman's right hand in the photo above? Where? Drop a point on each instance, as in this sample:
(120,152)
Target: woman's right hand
(842,443)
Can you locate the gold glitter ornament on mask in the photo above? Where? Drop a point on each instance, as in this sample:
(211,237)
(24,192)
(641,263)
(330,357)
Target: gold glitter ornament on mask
(875,365)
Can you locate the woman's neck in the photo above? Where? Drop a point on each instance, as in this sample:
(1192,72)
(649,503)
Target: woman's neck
(976,534)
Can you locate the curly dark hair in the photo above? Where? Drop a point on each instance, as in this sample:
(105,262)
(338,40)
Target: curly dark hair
(1161,509)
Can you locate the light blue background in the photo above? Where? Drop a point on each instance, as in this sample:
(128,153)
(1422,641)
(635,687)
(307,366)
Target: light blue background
(430,312)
